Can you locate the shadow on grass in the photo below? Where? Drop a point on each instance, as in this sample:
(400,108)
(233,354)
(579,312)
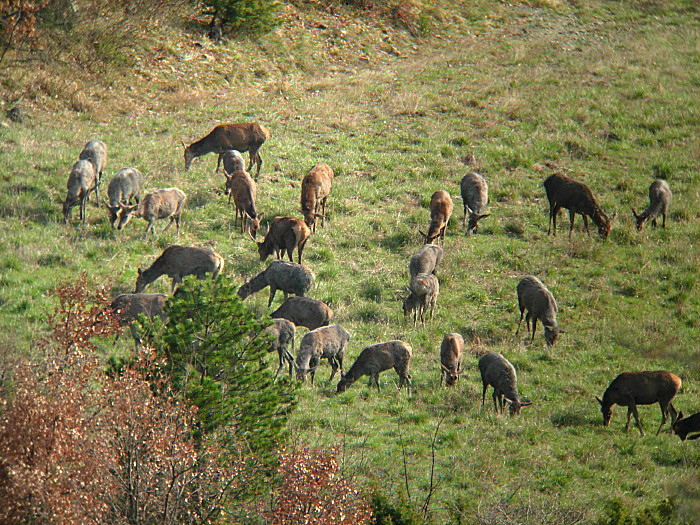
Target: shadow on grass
(571,419)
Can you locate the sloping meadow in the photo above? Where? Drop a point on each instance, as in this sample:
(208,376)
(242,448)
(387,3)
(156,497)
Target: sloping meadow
(604,93)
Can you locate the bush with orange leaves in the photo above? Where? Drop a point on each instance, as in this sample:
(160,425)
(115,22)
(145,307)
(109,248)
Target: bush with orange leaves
(78,445)
(312,491)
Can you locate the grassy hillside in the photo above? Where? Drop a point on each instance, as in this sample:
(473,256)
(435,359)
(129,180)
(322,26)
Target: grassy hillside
(606,92)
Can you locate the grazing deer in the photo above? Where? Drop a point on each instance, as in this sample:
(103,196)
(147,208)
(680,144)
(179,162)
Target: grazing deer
(95,151)
(377,358)
(248,136)
(538,301)
(475,197)
(165,203)
(243,189)
(498,372)
(659,203)
(81,182)
(285,234)
(315,188)
(451,351)
(178,261)
(684,426)
(641,388)
(440,212)
(565,192)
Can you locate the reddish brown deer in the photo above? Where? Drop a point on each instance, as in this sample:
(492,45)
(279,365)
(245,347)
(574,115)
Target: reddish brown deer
(285,234)
(247,136)
(440,212)
(315,188)
(641,388)
(243,189)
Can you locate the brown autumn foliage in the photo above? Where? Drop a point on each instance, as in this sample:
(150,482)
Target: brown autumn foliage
(18,19)
(80,446)
(313,492)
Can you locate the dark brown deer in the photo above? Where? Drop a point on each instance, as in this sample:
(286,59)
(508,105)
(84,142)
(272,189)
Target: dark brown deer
(247,136)
(285,234)
(684,426)
(440,212)
(565,192)
(641,388)
(315,188)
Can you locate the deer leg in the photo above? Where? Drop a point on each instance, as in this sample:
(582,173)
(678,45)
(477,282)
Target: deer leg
(273,291)
(172,219)
(534,328)
(334,367)
(572,216)
(149,228)
(632,411)
(663,224)
(282,359)
(464,219)
(585,223)
(300,250)
(495,401)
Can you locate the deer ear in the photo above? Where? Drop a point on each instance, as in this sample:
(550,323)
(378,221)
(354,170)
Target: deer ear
(525,404)
(599,400)
(183,144)
(679,416)
(423,235)
(509,401)
(140,271)
(260,216)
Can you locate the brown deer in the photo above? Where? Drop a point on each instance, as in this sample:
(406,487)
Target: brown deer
(659,203)
(684,426)
(164,203)
(377,358)
(178,261)
(451,351)
(440,212)
(315,188)
(243,189)
(641,388)
(285,234)
(248,136)
(565,192)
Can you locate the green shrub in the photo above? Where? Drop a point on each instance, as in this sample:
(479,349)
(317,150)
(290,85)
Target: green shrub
(250,16)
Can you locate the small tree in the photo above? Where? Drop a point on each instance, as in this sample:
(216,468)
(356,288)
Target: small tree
(216,351)
(250,16)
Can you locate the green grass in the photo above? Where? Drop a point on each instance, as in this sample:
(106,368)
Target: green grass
(604,91)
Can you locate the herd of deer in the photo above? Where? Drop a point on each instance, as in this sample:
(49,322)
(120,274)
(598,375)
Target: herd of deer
(285,234)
